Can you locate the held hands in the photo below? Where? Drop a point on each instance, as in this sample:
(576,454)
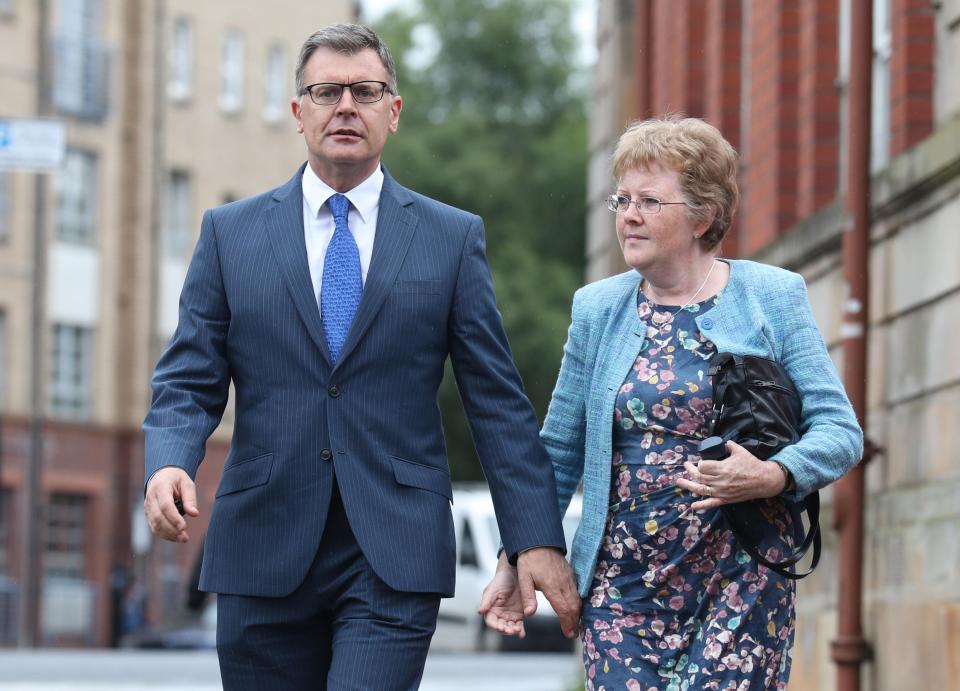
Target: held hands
(511,595)
(166,486)
(739,477)
(501,605)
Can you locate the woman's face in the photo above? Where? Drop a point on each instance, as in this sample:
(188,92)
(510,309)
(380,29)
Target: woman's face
(650,239)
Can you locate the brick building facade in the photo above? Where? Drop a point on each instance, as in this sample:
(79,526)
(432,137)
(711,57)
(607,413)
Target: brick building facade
(772,76)
(170,107)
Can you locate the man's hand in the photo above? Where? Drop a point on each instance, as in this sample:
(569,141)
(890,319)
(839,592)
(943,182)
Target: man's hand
(545,569)
(501,606)
(165,487)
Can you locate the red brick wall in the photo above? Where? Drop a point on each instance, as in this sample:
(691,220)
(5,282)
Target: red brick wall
(783,111)
(721,89)
(911,73)
(669,57)
(721,72)
(694,18)
(819,106)
(106,466)
(644,42)
(770,182)
(677,80)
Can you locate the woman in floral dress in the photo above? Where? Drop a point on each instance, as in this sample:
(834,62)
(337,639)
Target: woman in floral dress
(670,601)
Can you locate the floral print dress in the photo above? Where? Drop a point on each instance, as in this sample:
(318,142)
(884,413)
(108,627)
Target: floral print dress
(675,604)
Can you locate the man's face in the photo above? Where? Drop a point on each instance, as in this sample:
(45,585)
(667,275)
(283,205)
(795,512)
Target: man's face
(344,141)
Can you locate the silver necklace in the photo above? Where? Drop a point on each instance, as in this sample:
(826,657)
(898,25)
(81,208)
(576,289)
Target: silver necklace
(689,300)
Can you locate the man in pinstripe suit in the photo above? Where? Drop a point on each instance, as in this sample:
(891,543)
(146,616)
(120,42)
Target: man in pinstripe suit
(331,541)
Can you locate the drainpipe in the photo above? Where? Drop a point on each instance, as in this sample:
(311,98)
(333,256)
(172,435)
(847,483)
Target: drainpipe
(849,649)
(643,46)
(31,569)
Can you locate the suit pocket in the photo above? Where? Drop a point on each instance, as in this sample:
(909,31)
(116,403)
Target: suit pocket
(427,287)
(421,476)
(251,472)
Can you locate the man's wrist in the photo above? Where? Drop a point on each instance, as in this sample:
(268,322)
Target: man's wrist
(517,556)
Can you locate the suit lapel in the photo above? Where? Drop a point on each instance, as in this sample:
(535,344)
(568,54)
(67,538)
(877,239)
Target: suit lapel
(284,224)
(396,226)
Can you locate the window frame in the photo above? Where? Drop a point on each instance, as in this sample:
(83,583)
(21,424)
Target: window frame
(177,214)
(70,396)
(66,536)
(84,188)
(181,60)
(275,88)
(232,69)
(880,106)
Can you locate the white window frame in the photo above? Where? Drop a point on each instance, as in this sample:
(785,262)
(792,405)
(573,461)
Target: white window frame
(71,375)
(180,82)
(177,215)
(275,84)
(231,72)
(880,86)
(79,75)
(76,197)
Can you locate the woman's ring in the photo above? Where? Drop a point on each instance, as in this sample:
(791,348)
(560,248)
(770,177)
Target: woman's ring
(708,490)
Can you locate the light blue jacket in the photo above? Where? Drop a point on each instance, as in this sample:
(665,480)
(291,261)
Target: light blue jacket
(763,311)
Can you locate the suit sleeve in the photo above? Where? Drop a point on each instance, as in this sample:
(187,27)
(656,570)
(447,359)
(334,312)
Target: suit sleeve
(501,418)
(831,441)
(191,382)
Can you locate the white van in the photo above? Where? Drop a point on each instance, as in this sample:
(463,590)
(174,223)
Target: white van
(477,540)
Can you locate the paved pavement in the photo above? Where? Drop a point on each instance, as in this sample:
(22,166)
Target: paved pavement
(451,666)
(128,670)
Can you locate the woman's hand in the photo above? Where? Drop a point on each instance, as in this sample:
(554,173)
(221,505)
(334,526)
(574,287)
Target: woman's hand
(501,605)
(739,477)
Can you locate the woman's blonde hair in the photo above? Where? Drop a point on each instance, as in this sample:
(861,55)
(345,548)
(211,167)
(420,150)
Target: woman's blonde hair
(704,160)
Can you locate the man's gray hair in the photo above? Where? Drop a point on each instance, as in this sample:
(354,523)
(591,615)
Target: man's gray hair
(349,39)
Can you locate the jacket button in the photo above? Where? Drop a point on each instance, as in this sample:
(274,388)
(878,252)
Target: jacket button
(707,322)
(325,455)
(334,391)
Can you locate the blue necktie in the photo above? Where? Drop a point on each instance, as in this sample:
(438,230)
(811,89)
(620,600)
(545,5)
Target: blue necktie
(342,285)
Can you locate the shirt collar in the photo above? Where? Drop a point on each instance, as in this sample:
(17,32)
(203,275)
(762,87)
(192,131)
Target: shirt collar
(365,197)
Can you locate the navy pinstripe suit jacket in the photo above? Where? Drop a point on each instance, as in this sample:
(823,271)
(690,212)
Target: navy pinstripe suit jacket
(248,315)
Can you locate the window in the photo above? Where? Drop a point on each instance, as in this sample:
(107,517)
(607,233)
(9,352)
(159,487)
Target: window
(880,91)
(70,375)
(80,60)
(231,72)
(180,83)
(176,215)
(4,207)
(76,189)
(6,8)
(66,537)
(468,548)
(275,87)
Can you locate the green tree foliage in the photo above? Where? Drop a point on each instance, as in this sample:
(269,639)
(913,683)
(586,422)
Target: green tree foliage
(491,123)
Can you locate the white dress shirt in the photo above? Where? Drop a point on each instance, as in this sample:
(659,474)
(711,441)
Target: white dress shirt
(318,223)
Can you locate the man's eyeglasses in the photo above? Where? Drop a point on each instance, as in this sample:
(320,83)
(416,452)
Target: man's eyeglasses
(645,205)
(330,93)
